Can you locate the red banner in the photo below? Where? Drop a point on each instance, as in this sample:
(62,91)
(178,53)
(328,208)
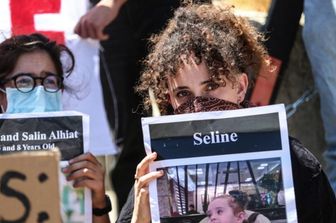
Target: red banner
(22,16)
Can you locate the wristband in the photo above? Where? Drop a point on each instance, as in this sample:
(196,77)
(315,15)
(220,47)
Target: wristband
(105,210)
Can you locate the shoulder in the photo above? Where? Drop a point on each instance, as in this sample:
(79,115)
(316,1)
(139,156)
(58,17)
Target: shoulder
(315,200)
(260,218)
(302,158)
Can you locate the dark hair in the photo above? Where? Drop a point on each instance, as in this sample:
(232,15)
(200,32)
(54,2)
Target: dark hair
(227,44)
(240,196)
(12,48)
(232,201)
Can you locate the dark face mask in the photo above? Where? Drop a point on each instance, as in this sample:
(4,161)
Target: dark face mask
(204,104)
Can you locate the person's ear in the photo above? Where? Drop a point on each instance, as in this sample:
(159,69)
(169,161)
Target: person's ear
(242,87)
(240,216)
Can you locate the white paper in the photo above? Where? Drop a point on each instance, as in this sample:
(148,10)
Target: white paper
(173,137)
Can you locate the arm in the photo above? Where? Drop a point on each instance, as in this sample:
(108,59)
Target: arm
(141,212)
(86,171)
(92,24)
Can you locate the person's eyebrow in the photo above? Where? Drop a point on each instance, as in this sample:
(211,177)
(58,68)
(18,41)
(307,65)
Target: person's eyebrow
(180,88)
(207,81)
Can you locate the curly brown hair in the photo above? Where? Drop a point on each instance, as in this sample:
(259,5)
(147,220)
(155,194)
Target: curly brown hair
(228,44)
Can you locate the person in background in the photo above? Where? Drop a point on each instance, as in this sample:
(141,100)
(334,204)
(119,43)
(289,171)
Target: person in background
(192,210)
(205,60)
(32,80)
(123,27)
(319,35)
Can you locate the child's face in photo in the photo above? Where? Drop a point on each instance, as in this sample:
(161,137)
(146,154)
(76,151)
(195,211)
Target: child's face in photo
(219,211)
(193,80)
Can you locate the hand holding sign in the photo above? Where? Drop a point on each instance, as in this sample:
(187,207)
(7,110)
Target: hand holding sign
(86,171)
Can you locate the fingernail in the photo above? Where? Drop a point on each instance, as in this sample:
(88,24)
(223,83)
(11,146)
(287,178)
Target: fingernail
(64,169)
(153,155)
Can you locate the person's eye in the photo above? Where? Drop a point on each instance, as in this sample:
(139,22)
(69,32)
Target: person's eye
(24,82)
(219,212)
(182,94)
(212,86)
(50,82)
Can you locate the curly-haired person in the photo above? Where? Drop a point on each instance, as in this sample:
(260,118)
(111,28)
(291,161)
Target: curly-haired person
(204,61)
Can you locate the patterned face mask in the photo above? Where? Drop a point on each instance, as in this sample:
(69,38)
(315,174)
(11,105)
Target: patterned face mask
(204,104)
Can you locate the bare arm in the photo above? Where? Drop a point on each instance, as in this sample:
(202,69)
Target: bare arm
(141,212)
(92,24)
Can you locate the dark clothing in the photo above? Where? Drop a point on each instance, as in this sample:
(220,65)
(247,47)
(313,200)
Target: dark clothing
(315,200)
(120,68)
(192,212)
(123,53)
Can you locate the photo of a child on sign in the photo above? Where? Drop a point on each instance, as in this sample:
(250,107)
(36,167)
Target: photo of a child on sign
(255,185)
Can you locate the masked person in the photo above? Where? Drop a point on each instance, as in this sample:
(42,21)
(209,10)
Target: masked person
(31,80)
(204,61)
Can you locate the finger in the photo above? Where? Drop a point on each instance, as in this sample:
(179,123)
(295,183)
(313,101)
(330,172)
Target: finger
(142,167)
(83,29)
(85,156)
(85,172)
(89,183)
(77,28)
(101,35)
(98,169)
(146,179)
(92,31)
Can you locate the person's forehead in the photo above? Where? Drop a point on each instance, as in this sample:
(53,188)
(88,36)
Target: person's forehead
(34,62)
(219,202)
(190,72)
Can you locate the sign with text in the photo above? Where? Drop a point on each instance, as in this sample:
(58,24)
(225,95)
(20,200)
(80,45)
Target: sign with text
(29,189)
(44,131)
(223,136)
(67,131)
(208,154)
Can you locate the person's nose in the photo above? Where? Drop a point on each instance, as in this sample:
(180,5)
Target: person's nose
(199,103)
(39,81)
(212,218)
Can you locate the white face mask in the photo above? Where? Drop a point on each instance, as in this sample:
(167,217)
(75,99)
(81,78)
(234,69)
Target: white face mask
(37,100)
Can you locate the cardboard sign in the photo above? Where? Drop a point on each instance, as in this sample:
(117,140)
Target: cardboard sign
(29,188)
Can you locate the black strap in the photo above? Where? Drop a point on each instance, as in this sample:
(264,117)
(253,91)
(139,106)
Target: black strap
(252,217)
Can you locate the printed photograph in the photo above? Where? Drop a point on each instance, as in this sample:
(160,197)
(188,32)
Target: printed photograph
(251,188)
(73,202)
